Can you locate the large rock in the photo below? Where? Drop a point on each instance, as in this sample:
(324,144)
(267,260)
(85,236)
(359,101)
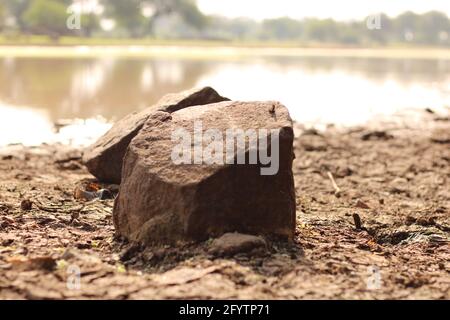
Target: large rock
(104,159)
(163,201)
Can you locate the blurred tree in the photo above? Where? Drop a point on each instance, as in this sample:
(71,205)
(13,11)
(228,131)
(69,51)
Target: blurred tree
(127,14)
(190,13)
(89,23)
(431,26)
(406,25)
(321,30)
(240,28)
(47,17)
(16,9)
(2,16)
(383,35)
(182,19)
(351,33)
(138,17)
(281,29)
(221,28)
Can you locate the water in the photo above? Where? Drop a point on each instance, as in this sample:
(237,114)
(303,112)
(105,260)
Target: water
(36,93)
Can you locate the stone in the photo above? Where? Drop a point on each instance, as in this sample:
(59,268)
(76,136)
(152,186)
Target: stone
(104,158)
(164,201)
(361,205)
(233,243)
(26,205)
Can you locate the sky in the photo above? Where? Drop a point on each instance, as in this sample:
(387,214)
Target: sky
(336,9)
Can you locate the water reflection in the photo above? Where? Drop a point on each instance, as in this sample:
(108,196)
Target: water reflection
(32,127)
(71,88)
(38,92)
(338,95)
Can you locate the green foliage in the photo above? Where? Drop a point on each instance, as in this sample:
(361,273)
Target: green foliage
(177,19)
(190,13)
(16,9)
(47,17)
(321,30)
(431,28)
(127,14)
(2,16)
(281,29)
(90,23)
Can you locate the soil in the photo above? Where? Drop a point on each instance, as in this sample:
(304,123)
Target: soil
(384,234)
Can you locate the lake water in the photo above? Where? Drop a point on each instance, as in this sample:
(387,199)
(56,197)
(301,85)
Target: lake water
(36,93)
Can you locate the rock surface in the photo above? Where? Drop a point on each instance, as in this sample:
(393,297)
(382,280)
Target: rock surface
(162,202)
(104,159)
(233,243)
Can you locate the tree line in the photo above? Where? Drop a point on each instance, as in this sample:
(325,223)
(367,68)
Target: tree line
(181,19)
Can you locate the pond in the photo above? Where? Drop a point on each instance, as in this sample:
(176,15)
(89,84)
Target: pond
(36,93)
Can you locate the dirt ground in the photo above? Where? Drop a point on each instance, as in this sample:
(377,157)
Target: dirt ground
(394,178)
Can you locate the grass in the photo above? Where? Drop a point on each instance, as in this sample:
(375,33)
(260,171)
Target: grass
(43,46)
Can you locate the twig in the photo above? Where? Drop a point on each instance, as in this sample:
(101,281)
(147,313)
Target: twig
(40,206)
(337,190)
(357,220)
(358,223)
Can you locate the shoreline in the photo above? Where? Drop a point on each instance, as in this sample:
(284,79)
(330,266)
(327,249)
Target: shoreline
(190,51)
(65,130)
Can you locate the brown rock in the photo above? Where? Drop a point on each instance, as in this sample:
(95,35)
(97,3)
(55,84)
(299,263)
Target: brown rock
(361,204)
(234,243)
(46,263)
(440,136)
(160,201)
(104,159)
(26,205)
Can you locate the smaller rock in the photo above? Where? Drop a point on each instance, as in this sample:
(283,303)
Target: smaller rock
(233,243)
(46,263)
(26,205)
(69,166)
(43,263)
(7,242)
(82,195)
(68,156)
(81,259)
(440,136)
(105,194)
(130,252)
(88,195)
(7,157)
(377,135)
(361,205)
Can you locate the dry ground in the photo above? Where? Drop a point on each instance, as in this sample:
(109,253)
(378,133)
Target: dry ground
(396,179)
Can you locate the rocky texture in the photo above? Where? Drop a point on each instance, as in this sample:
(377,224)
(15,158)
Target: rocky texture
(233,243)
(104,158)
(162,202)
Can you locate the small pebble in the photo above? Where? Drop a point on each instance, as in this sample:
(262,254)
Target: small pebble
(26,205)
